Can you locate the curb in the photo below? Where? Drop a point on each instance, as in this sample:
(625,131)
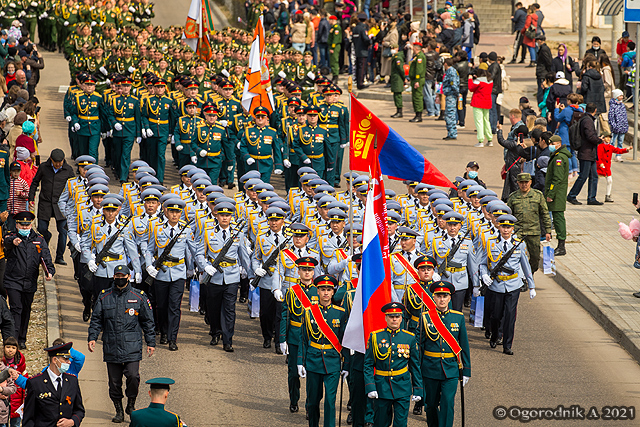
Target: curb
(53,310)
(606,317)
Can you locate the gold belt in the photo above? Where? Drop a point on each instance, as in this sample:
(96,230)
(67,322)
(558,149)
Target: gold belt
(320,346)
(332,126)
(160,122)
(456,270)
(318,156)
(126,119)
(227,264)
(392,373)
(290,279)
(109,258)
(296,324)
(260,157)
(89,117)
(441,355)
(173,264)
(185,141)
(398,286)
(505,278)
(213,154)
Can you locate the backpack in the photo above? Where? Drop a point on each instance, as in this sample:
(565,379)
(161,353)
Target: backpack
(575,137)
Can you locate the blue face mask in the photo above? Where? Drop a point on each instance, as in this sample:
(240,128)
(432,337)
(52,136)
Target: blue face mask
(24,233)
(552,148)
(473,174)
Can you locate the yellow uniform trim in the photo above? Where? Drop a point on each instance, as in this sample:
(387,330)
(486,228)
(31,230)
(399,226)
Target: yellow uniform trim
(392,373)
(440,355)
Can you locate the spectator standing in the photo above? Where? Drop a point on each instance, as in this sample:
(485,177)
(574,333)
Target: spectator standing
(397,79)
(480,86)
(528,35)
(605,151)
(565,116)
(432,61)
(544,64)
(609,84)
(20,81)
(596,47)
(556,186)
(390,39)
(322,39)
(518,21)
(540,16)
(468,27)
(451,90)
(618,120)
(34,61)
(592,88)
(621,49)
(18,194)
(587,156)
(298,32)
(495,72)
(7,389)
(52,176)
(12,358)
(563,62)
(361,43)
(461,65)
(514,156)
(558,92)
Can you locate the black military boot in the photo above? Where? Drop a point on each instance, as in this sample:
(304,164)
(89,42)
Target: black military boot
(131,405)
(441,116)
(119,417)
(560,250)
(398,114)
(417,118)
(417,408)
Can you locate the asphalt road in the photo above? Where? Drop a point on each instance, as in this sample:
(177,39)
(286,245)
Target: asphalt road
(562,356)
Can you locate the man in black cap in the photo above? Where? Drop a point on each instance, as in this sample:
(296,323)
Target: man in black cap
(121,336)
(155,415)
(361,44)
(25,250)
(53,176)
(53,397)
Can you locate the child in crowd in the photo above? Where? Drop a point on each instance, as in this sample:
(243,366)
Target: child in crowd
(18,194)
(13,358)
(618,120)
(604,162)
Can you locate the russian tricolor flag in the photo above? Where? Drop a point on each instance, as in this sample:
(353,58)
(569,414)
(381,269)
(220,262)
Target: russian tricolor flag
(374,285)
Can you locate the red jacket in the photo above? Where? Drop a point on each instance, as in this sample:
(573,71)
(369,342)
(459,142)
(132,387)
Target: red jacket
(604,157)
(20,365)
(481,93)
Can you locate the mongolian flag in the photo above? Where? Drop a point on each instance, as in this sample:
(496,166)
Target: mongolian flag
(257,82)
(398,159)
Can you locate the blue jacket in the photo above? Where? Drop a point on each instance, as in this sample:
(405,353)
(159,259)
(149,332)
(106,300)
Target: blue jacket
(564,120)
(76,359)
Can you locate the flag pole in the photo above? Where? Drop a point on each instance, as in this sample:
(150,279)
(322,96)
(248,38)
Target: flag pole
(200,34)
(350,181)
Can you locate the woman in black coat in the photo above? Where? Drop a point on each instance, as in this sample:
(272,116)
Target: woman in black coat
(563,62)
(592,87)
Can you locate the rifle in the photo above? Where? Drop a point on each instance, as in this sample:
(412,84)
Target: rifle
(499,267)
(72,250)
(106,249)
(222,255)
(442,268)
(158,264)
(270,261)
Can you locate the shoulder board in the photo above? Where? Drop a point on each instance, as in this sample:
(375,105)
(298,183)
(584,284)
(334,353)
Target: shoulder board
(263,232)
(410,333)
(379,330)
(456,312)
(269,127)
(338,308)
(492,238)
(313,251)
(134,97)
(515,238)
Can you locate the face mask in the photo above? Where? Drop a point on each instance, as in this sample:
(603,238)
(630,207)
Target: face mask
(552,148)
(121,282)
(64,368)
(24,233)
(596,47)
(473,174)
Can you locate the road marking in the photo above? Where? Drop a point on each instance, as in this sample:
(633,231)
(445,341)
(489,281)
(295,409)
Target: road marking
(63,89)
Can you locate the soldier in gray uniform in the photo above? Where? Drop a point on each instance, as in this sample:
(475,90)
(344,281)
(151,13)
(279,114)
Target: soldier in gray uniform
(287,273)
(333,243)
(79,183)
(402,261)
(222,289)
(169,283)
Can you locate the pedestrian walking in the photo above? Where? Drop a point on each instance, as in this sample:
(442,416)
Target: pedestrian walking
(587,156)
(518,21)
(481,86)
(122,314)
(556,186)
(495,71)
(155,415)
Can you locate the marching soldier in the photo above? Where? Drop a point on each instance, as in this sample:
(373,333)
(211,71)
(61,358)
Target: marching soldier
(320,353)
(261,147)
(333,243)
(184,132)
(169,279)
(131,190)
(403,275)
(184,190)
(69,196)
(335,44)
(210,143)
(287,260)
(417,71)
(336,120)
(392,369)
(309,141)
(298,298)
(86,115)
(228,108)
(157,120)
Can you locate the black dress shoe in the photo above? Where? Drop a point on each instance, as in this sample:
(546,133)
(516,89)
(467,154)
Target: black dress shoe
(594,202)
(266,343)
(242,300)
(293,408)
(449,138)
(508,351)
(574,201)
(493,344)
(215,340)
(499,342)
(202,312)
(60,261)
(173,346)
(163,339)
(228,348)
(417,408)
(307,415)
(487,334)
(86,314)
(636,294)
(349,419)
(278,350)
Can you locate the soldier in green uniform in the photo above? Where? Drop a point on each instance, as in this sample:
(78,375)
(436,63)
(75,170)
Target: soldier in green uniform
(68,107)
(396,79)
(392,369)
(297,299)
(228,107)
(157,118)
(306,74)
(86,115)
(556,186)
(309,142)
(29,14)
(320,355)
(335,43)
(260,146)
(238,125)
(184,132)
(289,128)
(441,367)
(417,69)
(336,120)
(210,144)
(155,415)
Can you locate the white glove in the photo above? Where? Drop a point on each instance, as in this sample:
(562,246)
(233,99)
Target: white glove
(34,4)
(415,398)
(277,171)
(225,73)
(144,133)
(532,293)
(92,266)
(194,159)
(66,23)
(138,278)
(284,348)
(223,123)
(77,246)
(372,395)
(476,291)
(131,69)
(21,14)
(238,146)
(203,153)
(179,147)
(282,74)
(76,127)
(436,276)
(229,168)
(260,272)
(311,75)
(302,373)
(137,20)
(344,375)
(93,24)
(152,271)
(132,9)
(307,161)
(277,294)
(101,23)
(251,161)
(117,127)
(2,13)
(138,140)
(343,145)
(210,270)
(487,280)
(287,163)
(12,4)
(465,380)
(104,71)
(171,139)
(103,135)
(68,118)
(45,15)
(148,12)
(149,133)
(189,273)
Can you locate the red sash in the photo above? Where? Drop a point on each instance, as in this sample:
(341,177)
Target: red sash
(289,253)
(410,269)
(325,328)
(301,295)
(342,253)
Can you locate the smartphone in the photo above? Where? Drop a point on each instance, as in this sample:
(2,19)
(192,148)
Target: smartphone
(635,199)
(501,120)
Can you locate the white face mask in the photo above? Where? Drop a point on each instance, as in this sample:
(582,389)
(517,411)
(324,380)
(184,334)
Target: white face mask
(596,47)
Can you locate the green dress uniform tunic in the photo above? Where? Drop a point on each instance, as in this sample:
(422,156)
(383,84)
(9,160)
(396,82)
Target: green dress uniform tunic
(556,186)
(154,416)
(124,110)
(440,368)
(392,368)
(265,147)
(157,116)
(336,120)
(396,78)
(238,125)
(228,108)
(290,323)
(68,106)
(289,129)
(417,69)
(219,151)
(87,111)
(309,144)
(322,362)
(183,135)
(335,41)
